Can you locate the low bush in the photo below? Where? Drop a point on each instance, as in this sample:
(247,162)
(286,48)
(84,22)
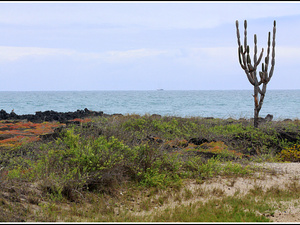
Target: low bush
(291,154)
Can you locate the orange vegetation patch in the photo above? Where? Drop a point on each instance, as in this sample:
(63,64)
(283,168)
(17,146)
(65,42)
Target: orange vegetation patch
(85,120)
(15,133)
(291,154)
(214,146)
(177,143)
(219,147)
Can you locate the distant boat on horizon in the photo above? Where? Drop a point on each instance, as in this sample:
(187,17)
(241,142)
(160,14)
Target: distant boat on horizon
(160,89)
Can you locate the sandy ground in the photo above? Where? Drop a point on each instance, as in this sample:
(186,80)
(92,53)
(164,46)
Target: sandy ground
(279,175)
(286,173)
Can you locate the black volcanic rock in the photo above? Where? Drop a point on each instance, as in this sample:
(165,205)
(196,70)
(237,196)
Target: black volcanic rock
(4,115)
(198,141)
(50,115)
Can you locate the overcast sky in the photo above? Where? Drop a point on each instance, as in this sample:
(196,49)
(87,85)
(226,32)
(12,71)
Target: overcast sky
(141,45)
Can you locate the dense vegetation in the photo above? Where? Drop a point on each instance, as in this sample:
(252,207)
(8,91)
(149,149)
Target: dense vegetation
(93,162)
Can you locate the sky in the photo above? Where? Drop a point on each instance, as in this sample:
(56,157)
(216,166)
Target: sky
(142,45)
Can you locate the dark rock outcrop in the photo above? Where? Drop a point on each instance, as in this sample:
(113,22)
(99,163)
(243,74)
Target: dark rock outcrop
(261,120)
(269,118)
(288,136)
(3,115)
(50,115)
(198,141)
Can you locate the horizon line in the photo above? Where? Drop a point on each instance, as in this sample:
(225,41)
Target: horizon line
(160,89)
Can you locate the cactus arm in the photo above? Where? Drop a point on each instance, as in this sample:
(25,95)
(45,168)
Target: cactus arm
(255,50)
(238,33)
(263,90)
(240,59)
(273,52)
(245,67)
(261,75)
(240,48)
(260,57)
(243,59)
(268,53)
(256,62)
(245,35)
(250,78)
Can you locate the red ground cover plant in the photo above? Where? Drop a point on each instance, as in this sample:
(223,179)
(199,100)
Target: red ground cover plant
(15,133)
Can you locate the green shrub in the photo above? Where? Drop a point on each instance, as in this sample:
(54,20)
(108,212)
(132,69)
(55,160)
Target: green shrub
(156,167)
(291,154)
(196,167)
(73,162)
(76,162)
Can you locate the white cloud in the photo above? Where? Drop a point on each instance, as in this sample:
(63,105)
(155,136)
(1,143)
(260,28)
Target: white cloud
(125,56)
(197,57)
(8,53)
(288,54)
(207,57)
(227,53)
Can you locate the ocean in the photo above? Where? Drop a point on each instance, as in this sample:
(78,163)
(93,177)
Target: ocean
(282,104)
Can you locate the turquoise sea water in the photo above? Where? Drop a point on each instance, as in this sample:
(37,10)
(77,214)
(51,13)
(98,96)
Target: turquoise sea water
(281,104)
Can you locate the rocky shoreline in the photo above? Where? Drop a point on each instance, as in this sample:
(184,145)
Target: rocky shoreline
(50,115)
(64,117)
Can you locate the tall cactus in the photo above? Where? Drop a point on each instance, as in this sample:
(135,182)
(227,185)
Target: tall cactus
(250,69)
